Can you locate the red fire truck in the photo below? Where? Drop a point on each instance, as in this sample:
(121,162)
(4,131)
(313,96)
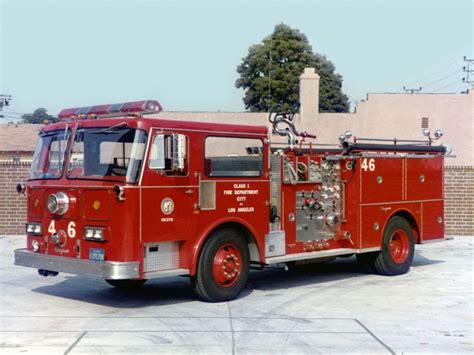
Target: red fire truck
(117,194)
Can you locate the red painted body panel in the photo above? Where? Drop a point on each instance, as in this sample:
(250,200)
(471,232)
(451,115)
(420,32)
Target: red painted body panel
(384,183)
(424,179)
(432,223)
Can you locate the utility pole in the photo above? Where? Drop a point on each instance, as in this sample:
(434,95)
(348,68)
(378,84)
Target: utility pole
(412,91)
(4,101)
(469,78)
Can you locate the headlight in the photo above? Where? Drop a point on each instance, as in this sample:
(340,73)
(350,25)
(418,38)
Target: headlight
(94,233)
(37,229)
(33,228)
(89,233)
(58,203)
(30,228)
(99,234)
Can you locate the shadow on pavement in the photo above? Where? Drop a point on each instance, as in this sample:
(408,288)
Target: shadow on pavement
(420,260)
(92,290)
(178,289)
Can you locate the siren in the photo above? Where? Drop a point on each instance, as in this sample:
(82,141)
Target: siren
(134,107)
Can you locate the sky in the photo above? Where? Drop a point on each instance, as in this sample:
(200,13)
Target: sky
(69,53)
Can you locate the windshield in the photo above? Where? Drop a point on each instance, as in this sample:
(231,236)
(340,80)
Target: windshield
(113,153)
(49,157)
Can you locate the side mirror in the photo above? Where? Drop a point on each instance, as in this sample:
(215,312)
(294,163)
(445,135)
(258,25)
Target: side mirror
(178,152)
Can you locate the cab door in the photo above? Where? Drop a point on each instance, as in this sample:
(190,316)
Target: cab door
(169,191)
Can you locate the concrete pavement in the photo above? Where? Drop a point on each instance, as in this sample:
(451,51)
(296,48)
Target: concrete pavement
(330,308)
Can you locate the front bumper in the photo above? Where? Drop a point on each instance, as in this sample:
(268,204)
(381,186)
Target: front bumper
(108,269)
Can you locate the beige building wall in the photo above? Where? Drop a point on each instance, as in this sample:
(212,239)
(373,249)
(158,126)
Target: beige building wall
(400,115)
(388,116)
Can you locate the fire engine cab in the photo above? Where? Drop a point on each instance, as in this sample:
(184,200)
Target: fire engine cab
(117,194)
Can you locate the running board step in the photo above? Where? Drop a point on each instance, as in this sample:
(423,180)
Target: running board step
(310,255)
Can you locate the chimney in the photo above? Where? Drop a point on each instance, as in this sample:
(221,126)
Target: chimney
(309,95)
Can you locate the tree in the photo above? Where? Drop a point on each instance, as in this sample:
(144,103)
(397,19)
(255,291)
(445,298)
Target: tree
(270,72)
(39,116)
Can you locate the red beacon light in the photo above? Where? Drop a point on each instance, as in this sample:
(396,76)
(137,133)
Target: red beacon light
(134,107)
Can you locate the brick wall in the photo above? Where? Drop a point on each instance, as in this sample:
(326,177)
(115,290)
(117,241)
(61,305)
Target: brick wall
(459,200)
(12,205)
(459,194)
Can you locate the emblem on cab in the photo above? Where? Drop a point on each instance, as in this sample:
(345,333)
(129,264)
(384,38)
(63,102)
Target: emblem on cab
(167,206)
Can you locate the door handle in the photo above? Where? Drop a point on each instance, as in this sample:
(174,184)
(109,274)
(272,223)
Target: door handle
(189,192)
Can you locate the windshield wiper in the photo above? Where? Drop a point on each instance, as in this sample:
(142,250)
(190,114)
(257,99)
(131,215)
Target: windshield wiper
(110,129)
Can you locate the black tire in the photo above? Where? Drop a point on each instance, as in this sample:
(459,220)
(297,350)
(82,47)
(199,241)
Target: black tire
(398,248)
(223,267)
(126,284)
(366,261)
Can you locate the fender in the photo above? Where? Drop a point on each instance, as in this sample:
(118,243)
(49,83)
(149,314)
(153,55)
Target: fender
(410,218)
(207,231)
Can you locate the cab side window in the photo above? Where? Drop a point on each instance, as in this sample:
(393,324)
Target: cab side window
(230,156)
(169,153)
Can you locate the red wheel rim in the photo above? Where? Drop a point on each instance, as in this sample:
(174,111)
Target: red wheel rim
(227,265)
(399,246)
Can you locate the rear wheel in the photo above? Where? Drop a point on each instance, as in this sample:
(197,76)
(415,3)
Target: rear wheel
(396,255)
(223,267)
(126,284)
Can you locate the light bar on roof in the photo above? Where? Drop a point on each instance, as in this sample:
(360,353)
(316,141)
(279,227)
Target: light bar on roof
(144,106)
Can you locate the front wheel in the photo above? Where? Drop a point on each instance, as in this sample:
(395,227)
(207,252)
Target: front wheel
(223,267)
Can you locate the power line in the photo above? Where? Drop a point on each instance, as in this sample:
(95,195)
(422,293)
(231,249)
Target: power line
(10,117)
(15,113)
(442,79)
(447,86)
(467,69)
(434,74)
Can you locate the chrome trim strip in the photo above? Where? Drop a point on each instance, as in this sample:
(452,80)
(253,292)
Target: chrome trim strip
(230,134)
(310,255)
(257,179)
(396,156)
(165,273)
(318,254)
(375,155)
(367,250)
(108,270)
(399,202)
(160,187)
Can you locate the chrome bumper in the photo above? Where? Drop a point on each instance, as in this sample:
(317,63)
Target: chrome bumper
(108,269)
